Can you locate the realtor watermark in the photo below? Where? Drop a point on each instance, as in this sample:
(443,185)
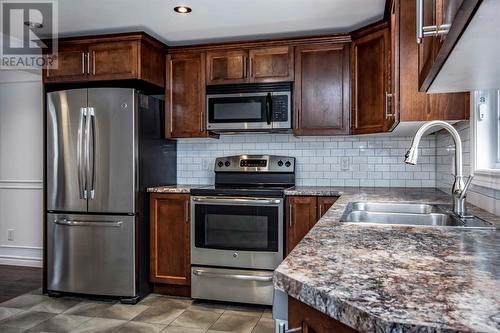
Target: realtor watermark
(29,34)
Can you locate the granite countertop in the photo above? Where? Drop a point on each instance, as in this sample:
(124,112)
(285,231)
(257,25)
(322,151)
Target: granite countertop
(377,278)
(314,191)
(179,188)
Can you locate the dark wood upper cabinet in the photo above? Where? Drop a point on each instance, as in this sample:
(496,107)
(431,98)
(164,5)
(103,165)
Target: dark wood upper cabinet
(413,105)
(450,18)
(72,62)
(371,90)
(224,67)
(321,91)
(113,60)
(170,240)
(134,56)
(185,95)
(271,64)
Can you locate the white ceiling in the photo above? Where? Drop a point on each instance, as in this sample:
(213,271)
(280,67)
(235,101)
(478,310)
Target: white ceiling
(216,20)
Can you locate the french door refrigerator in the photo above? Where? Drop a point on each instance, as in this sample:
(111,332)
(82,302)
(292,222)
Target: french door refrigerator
(104,147)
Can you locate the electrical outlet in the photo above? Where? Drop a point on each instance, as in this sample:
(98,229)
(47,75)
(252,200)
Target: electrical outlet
(345,163)
(205,164)
(10,234)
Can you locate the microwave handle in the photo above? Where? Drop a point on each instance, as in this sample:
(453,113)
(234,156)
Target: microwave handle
(269,108)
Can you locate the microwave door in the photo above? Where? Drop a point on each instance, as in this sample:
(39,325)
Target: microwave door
(239,112)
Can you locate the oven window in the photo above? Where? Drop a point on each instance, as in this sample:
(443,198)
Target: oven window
(230,227)
(236,109)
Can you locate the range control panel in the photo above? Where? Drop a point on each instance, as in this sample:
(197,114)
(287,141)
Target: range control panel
(255,163)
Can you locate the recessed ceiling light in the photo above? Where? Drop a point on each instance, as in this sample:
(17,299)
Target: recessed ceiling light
(33,25)
(182,9)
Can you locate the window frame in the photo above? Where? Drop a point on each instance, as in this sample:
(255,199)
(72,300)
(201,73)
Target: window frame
(489,178)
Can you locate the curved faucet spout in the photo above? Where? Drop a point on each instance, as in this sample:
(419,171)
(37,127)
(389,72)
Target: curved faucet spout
(459,188)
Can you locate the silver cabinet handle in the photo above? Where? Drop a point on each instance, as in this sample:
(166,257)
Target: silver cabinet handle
(83,63)
(91,152)
(202,118)
(430,30)
(199,272)
(282,329)
(79,151)
(237,200)
(290,215)
(88,63)
(186,208)
(387,113)
(75,223)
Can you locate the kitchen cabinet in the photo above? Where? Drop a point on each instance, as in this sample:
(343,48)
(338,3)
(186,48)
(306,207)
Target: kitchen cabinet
(271,64)
(224,67)
(321,91)
(170,239)
(185,96)
(134,56)
(442,23)
(372,94)
(412,105)
(309,320)
(302,213)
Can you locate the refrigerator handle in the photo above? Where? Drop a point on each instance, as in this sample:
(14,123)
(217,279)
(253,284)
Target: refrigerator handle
(91,155)
(79,151)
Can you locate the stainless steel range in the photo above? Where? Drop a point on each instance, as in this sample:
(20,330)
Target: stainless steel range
(237,228)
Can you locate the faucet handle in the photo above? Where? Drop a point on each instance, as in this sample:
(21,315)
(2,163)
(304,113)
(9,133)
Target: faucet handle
(466,187)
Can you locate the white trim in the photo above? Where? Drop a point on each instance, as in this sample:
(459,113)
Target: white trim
(489,178)
(19,184)
(19,255)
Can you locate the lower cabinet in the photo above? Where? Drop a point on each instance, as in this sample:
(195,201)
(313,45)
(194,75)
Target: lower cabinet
(170,240)
(302,213)
(305,319)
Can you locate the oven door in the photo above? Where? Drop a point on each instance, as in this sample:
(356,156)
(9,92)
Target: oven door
(237,232)
(245,111)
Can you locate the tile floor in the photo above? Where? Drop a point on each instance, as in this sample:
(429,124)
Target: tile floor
(34,312)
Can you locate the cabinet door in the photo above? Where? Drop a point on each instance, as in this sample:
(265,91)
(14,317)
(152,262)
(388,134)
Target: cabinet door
(370,83)
(412,104)
(170,255)
(185,96)
(225,67)
(310,320)
(71,64)
(301,216)
(321,93)
(271,64)
(429,47)
(114,60)
(324,204)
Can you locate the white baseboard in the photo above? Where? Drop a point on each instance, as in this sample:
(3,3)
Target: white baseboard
(20,261)
(16,255)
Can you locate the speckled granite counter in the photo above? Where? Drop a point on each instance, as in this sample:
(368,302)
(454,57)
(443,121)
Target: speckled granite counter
(180,188)
(397,278)
(315,191)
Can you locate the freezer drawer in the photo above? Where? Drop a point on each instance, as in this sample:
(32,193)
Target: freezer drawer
(91,254)
(232,285)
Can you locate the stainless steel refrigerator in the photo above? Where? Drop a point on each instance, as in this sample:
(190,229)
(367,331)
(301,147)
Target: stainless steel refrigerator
(104,147)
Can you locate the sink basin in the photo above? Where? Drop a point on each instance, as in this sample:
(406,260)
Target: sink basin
(394,213)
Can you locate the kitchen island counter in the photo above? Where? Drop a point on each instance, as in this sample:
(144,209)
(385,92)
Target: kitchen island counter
(382,278)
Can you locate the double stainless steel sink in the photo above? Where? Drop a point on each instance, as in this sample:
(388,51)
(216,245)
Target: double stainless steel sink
(411,214)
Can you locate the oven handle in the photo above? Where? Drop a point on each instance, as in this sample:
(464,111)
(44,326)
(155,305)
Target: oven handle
(235,200)
(199,272)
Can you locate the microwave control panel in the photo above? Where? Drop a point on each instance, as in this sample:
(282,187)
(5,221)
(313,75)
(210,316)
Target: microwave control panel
(280,108)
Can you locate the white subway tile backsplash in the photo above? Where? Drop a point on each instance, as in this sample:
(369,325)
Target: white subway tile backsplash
(373,161)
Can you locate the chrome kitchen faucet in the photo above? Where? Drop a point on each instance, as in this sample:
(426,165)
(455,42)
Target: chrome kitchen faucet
(459,190)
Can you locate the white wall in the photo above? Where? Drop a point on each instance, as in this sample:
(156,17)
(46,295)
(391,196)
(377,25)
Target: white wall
(373,160)
(21,167)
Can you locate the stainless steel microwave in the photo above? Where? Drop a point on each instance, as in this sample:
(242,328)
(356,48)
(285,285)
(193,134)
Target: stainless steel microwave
(249,107)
